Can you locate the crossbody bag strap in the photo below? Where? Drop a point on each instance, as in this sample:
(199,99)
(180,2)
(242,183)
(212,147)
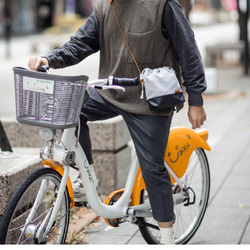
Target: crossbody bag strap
(124,38)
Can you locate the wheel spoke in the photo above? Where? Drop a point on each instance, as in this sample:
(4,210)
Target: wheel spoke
(24,217)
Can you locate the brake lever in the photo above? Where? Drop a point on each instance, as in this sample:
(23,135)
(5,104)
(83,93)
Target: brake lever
(116,87)
(107,87)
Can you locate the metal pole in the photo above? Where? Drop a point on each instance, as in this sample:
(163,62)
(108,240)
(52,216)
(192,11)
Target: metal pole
(4,142)
(246,63)
(7,25)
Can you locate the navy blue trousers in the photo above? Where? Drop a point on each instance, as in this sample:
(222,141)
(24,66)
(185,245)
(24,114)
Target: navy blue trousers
(150,137)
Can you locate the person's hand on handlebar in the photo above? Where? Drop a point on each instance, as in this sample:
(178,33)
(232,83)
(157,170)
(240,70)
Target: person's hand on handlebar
(35,62)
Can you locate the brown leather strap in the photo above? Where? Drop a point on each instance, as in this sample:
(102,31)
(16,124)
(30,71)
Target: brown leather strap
(125,40)
(172,54)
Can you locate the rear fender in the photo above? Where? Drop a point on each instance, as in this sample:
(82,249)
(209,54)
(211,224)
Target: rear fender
(181,144)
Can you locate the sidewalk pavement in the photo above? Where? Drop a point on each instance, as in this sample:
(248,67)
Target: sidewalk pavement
(228,122)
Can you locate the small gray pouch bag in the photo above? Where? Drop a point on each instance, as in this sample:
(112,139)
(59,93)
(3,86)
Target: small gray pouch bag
(162,88)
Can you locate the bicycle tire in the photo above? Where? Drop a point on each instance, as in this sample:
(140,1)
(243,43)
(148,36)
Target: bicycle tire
(13,229)
(185,226)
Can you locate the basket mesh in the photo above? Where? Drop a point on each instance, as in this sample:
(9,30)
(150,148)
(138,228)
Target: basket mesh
(48,100)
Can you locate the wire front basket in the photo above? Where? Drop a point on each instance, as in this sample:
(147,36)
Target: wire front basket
(48,100)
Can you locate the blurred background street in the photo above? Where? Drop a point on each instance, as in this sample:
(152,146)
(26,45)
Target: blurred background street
(221,27)
(35,27)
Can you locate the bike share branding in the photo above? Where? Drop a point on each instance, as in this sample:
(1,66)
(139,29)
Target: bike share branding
(88,171)
(180,150)
(50,105)
(38,85)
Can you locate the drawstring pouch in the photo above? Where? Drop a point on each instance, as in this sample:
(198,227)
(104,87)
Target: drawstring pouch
(162,88)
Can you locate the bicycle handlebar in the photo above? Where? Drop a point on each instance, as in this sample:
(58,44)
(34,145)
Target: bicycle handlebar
(126,81)
(43,68)
(114,83)
(110,83)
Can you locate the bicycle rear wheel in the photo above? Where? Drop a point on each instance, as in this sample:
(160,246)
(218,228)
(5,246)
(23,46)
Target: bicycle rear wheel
(187,218)
(14,229)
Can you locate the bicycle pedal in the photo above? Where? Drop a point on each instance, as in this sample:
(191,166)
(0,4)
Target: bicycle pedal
(81,204)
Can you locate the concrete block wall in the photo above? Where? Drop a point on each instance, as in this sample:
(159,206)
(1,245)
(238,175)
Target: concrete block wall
(108,135)
(12,172)
(22,135)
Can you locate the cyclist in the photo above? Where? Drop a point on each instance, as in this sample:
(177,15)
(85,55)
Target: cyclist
(151,28)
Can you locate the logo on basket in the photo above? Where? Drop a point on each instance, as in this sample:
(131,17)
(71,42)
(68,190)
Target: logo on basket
(38,85)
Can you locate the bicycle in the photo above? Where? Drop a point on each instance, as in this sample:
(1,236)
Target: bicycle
(38,211)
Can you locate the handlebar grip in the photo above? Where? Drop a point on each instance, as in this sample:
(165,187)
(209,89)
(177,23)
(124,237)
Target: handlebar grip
(126,81)
(43,68)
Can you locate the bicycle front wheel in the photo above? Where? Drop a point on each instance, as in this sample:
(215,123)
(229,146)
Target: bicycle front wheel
(187,217)
(30,205)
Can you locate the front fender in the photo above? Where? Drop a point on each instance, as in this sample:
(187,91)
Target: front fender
(58,168)
(181,144)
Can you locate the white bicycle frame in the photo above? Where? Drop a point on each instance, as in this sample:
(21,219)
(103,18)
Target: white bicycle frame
(121,208)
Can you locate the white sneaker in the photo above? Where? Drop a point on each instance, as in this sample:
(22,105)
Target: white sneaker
(78,189)
(79,193)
